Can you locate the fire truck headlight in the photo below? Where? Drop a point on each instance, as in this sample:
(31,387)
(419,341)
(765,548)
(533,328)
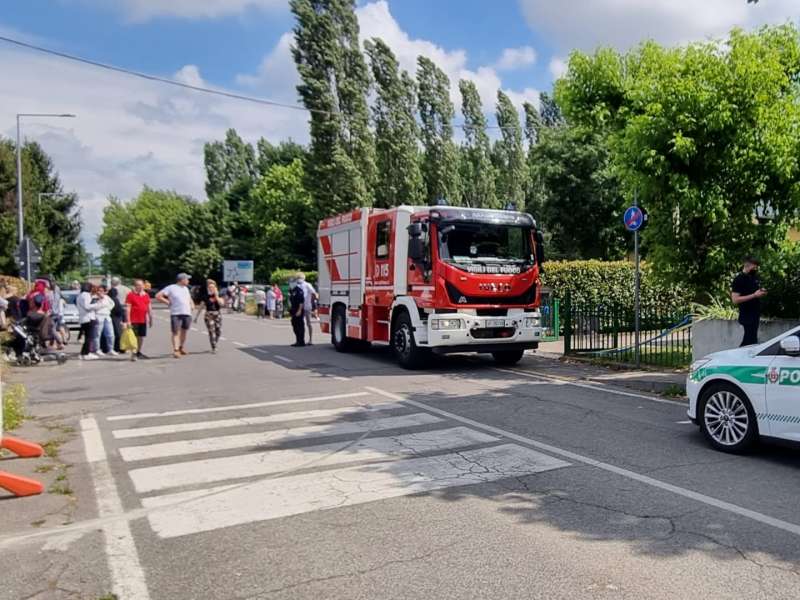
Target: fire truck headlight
(531,322)
(440,324)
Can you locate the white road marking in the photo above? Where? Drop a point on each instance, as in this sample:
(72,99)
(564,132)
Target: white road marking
(686,493)
(258,439)
(597,387)
(337,378)
(283,358)
(241,421)
(381,449)
(127,576)
(227,506)
(239,344)
(683,422)
(260,350)
(213,409)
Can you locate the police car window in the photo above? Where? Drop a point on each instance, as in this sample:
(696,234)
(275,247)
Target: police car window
(382,239)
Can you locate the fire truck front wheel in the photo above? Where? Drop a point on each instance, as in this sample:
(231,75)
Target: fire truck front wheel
(508,357)
(405,348)
(339,330)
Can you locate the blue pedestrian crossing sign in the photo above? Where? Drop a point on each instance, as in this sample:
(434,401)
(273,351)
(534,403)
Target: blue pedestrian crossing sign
(635,218)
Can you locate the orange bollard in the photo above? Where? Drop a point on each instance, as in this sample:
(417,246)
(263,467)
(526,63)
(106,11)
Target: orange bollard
(20,447)
(20,486)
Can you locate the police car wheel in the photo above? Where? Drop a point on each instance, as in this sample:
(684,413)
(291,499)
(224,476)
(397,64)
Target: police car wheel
(727,419)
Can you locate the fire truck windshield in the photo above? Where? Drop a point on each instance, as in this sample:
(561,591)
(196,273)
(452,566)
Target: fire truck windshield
(486,247)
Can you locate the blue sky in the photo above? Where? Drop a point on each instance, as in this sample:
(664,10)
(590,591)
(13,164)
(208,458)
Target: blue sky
(130,132)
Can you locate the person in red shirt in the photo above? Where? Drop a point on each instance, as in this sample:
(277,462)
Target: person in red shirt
(139,315)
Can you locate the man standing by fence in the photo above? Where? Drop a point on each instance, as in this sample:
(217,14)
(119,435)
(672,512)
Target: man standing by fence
(746,293)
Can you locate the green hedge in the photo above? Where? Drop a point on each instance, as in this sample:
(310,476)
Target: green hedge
(282,276)
(609,282)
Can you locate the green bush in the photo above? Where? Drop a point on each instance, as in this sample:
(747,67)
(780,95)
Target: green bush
(609,282)
(13,406)
(780,275)
(282,276)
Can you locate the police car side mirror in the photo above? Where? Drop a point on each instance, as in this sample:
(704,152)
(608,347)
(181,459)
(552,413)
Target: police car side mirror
(791,345)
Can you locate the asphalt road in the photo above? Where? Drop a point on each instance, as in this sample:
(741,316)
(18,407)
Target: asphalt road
(266,471)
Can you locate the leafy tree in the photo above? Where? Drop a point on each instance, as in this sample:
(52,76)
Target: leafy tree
(228,163)
(393,112)
(279,208)
(341,169)
(477,170)
(581,208)
(440,159)
(707,136)
(53,220)
(510,154)
(282,153)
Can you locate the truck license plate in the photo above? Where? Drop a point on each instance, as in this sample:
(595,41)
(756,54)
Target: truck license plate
(495,323)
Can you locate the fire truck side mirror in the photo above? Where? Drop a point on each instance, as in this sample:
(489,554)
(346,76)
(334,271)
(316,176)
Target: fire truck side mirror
(415,230)
(416,249)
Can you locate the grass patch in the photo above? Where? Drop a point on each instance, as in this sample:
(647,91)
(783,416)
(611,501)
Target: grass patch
(61,488)
(53,447)
(674,391)
(38,523)
(44,468)
(13,406)
(109,597)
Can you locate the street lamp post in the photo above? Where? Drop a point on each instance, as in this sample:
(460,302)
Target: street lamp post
(20,213)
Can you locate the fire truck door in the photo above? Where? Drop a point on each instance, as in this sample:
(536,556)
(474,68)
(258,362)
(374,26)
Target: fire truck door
(380,276)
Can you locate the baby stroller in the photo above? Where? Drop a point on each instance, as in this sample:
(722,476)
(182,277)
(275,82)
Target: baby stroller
(27,344)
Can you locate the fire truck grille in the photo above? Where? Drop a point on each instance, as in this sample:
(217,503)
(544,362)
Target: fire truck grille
(456,297)
(492,332)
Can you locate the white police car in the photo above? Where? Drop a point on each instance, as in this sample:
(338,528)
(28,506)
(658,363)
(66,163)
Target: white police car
(737,396)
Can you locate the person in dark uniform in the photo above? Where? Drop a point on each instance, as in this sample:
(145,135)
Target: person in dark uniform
(746,293)
(296,301)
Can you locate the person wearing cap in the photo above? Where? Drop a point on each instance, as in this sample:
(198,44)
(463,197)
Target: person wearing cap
(746,293)
(309,297)
(179,299)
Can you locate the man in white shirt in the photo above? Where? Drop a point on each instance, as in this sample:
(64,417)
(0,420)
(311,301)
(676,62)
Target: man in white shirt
(261,303)
(309,296)
(179,299)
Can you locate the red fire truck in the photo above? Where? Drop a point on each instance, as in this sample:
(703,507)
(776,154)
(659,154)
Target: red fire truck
(435,279)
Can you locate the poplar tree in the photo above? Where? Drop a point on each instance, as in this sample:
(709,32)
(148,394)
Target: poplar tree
(440,159)
(340,171)
(228,163)
(399,178)
(511,176)
(533,131)
(477,169)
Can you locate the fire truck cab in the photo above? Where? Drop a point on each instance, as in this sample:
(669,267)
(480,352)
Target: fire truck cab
(434,279)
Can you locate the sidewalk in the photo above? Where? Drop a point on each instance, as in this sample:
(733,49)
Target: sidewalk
(549,359)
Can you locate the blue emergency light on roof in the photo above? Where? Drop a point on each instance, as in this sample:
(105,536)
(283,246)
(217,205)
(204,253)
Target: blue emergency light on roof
(511,206)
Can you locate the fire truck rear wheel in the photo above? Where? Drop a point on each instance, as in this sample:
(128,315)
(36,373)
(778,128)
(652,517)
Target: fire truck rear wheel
(405,348)
(339,330)
(508,357)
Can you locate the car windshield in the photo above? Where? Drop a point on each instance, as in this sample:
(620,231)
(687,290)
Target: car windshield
(477,246)
(70,297)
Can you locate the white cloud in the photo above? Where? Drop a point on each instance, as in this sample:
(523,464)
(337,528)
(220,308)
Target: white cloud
(129,132)
(558,67)
(276,75)
(190,75)
(139,11)
(586,24)
(515,58)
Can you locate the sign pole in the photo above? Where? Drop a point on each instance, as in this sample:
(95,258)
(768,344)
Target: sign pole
(637,291)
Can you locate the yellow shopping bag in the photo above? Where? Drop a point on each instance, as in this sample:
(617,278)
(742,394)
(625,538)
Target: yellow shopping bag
(127,342)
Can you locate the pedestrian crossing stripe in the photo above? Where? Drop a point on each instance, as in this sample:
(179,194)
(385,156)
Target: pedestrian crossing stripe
(214,470)
(302,465)
(263,438)
(186,513)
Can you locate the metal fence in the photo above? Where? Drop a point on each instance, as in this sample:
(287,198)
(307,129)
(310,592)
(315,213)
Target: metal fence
(608,332)
(551,322)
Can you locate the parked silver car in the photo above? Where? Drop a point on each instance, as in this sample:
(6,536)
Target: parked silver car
(71,317)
